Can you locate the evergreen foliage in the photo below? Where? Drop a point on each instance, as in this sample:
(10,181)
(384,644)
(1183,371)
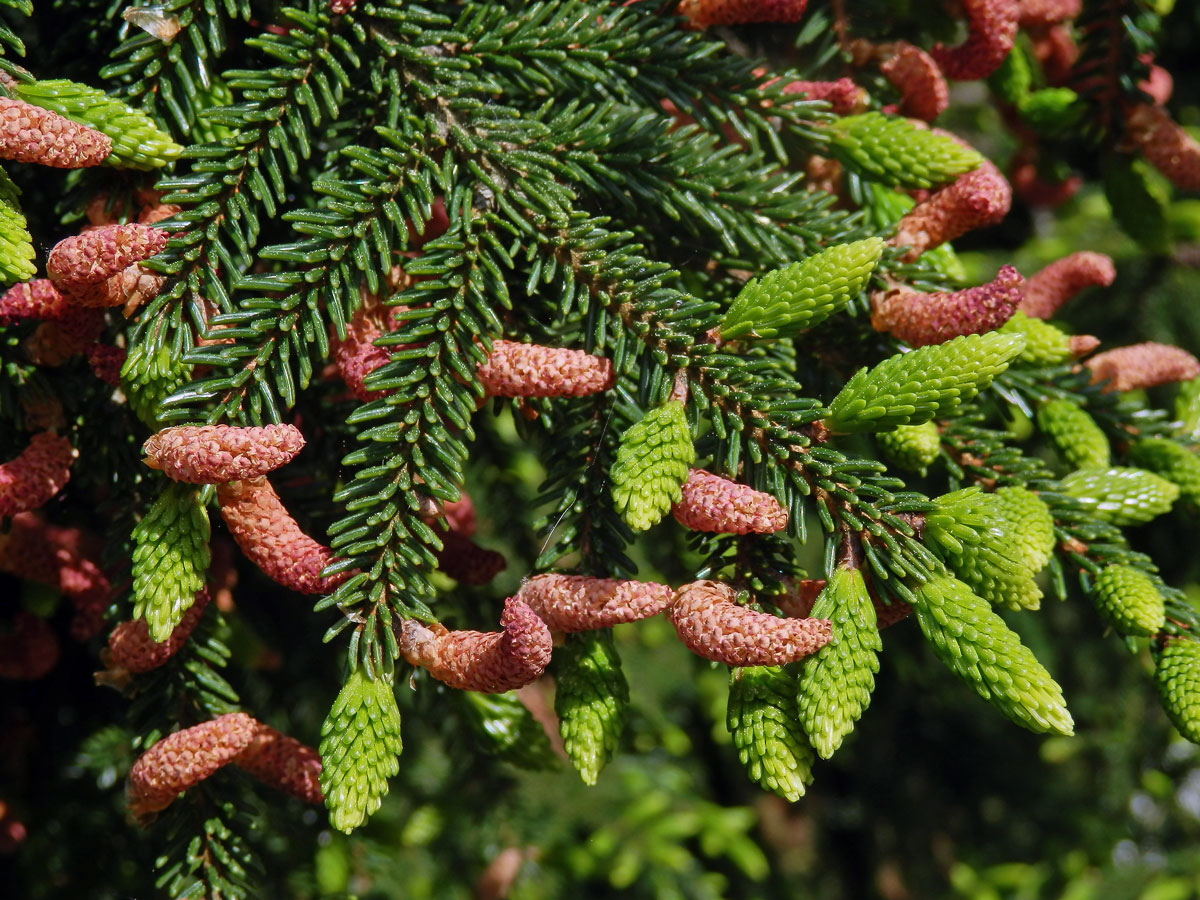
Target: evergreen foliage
(652,464)
(836,684)
(170,558)
(360,746)
(895,152)
(1075,434)
(1121,495)
(911,447)
(762,718)
(590,698)
(389,191)
(979,648)
(1129,600)
(793,299)
(16,245)
(911,388)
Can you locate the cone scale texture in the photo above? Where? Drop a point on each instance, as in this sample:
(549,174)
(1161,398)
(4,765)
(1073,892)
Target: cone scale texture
(836,682)
(571,603)
(1058,282)
(528,370)
(991,32)
(1129,600)
(31,134)
(40,471)
(360,746)
(96,255)
(271,538)
(921,319)
(131,647)
(1177,677)
(924,93)
(211,454)
(652,465)
(492,662)
(590,699)
(1142,366)
(976,644)
(1166,145)
(184,759)
(975,200)
(711,624)
(762,720)
(284,763)
(715,504)
(703,13)
(1075,434)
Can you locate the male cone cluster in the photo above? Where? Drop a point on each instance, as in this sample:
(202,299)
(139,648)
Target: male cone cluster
(212,454)
(920,319)
(185,758)
(101,267)
(991,32)
(37,474)
(130,646)
(30,134)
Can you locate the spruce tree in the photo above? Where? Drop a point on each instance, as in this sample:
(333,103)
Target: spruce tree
(432,312)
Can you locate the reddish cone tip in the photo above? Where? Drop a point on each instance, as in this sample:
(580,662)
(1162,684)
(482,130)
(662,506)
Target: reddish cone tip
(1142,366)
(991,32)
(1063,279)
(492,662)
(922,319)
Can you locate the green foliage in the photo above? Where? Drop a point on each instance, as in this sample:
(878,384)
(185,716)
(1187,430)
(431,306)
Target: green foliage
(911,388)
(16,245)
(912,447)
(1177,677)
(996,543)
(1139,198)
(893,151)
(1013,79)
(1075,434)
(1130,601)
(837,681)
(360,746)
(978,647)
(1172,461)
(506,729)
(652,464)
(148,376)
(615,183)
(1187,408)
(1045,344)
(793,299)
(170,557)
(1121,495)
(762,717)
(590,699)
(137,142)
(1051,111)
